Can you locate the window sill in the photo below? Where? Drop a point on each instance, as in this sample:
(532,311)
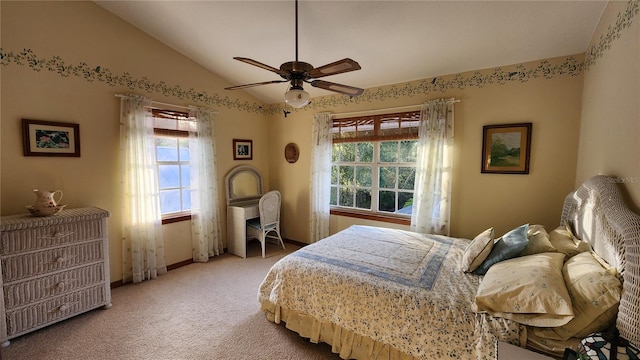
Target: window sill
(176,218)
(370,216)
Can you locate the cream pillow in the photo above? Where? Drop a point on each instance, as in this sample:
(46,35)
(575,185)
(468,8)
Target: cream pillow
(562,239)
(595,296)
(528,289)
(477,250)
(538,241)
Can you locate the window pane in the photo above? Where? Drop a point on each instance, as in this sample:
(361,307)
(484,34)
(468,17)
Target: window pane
(185,174)
(186,199)
(408,150)
(366,128)
(406,178)
(164,123)
(405,202)
(363,199)
(390,126)
(346,175)
(387,177)
(346,197)
(348,152)
(333,198)
(387,201)
(169,201)
(184,149)
(389,151)
(169,176)
(365,152)
(363,176)
(166,148)
(335,153)
(334,174)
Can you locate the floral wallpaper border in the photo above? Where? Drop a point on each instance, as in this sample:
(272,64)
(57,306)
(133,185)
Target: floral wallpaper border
(520,73)
(102,74)
(569,66)
(623,21)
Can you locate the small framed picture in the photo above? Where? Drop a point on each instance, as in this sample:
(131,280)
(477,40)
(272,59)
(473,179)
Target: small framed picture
(50,138)
(506,148)
(242,149)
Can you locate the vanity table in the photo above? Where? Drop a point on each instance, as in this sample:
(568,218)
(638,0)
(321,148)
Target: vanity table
(244,189)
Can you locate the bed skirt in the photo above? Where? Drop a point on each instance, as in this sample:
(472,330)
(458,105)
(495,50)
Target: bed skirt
(345,343)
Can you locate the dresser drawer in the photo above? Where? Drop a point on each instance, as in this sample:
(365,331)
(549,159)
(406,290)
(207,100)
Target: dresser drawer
(38,263)
(43,237)
(58,308)
(24,292)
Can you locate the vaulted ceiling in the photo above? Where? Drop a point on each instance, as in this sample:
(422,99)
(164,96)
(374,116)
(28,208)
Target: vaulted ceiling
(393,41)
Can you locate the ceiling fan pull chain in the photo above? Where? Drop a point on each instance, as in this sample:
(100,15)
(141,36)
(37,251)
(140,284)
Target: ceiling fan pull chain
(296,30)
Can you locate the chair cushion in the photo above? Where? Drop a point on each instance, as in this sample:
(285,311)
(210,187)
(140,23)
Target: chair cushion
(254,223)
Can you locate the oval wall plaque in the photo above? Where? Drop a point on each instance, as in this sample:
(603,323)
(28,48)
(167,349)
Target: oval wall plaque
(291,152)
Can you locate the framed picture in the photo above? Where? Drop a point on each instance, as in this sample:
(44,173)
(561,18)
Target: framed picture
(506,148)
(242,149)
(49,138)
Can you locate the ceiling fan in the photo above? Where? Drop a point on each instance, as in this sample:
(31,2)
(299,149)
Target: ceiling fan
(298,72)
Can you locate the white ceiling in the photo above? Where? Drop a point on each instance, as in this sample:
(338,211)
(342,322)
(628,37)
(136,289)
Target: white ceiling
(393,41)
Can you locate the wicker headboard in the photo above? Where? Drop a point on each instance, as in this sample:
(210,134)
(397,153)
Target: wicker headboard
(598,215)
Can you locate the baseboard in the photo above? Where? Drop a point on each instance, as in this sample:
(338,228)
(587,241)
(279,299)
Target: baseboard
(298,243)
(180,264)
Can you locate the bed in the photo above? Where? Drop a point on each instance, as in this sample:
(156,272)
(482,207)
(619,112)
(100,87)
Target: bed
(378,293)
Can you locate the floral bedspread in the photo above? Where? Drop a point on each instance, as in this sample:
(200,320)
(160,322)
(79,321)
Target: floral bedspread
(397,287)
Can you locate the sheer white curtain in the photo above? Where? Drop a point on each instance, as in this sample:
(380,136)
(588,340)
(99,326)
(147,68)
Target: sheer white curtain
(142,222)
(432,195)
(320,189)
(205,220)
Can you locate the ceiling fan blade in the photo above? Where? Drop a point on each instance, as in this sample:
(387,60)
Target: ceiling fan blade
(260,65)
(254,84)
(338,67)
(339,88)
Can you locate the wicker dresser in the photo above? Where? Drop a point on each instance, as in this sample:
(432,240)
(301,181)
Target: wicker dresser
(52,268)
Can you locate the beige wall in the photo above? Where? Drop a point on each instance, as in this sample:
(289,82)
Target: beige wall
(479,200)
(79,32)
(610,129)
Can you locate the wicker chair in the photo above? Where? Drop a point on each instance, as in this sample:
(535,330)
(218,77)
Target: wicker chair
(269,221)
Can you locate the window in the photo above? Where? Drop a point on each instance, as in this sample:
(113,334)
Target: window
(373,165)
(172,162)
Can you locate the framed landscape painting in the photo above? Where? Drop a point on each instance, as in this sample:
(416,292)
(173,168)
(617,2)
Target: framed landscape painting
(50,138)
(506,148)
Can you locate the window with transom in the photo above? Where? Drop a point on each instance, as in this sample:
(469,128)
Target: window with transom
(373,164)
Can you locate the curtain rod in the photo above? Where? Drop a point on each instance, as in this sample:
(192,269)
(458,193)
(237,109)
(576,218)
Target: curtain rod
(161,103)
(368,112)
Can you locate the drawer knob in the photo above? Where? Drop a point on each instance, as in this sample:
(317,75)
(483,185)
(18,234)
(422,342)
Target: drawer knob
(60,259)
(61,284)
(63,307)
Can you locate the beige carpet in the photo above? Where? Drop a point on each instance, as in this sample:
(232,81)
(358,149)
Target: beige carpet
(199,311)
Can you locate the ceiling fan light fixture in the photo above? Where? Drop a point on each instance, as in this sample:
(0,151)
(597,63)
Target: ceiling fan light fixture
(296,97)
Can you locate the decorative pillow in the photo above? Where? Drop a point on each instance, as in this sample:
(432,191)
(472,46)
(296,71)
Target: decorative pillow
(538,241)
(477,250)
(562,239)
(528,289)
(508,246)
(595,296)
